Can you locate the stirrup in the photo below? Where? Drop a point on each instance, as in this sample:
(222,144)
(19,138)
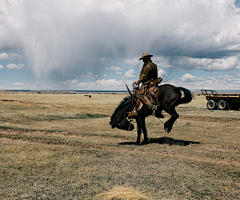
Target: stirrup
(154,108)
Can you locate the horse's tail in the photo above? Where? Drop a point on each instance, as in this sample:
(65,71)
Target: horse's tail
(187,95)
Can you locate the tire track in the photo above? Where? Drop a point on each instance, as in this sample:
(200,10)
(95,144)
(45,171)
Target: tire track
(8,137)
(99,110)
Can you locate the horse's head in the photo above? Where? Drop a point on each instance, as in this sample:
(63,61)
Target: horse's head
(123,124)
(119,117)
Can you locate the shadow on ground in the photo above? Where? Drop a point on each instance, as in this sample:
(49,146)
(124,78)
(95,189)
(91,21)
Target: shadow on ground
(165,140)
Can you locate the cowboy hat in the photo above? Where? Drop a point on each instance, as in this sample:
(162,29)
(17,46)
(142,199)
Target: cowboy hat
(145,55)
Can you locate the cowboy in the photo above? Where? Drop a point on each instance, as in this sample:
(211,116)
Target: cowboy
(148,75)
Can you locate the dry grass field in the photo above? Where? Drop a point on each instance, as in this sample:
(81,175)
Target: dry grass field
(61,146)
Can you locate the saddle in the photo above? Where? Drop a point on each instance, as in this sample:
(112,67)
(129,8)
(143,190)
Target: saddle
(150,94)
(151,100)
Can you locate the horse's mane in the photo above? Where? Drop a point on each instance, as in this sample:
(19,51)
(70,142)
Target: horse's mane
(121,107)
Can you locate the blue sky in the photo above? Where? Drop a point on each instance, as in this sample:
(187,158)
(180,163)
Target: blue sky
(95,45)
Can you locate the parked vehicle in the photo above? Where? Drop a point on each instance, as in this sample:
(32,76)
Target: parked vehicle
(221,101)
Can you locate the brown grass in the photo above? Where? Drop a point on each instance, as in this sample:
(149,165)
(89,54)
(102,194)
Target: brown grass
(122,193)
(61,146)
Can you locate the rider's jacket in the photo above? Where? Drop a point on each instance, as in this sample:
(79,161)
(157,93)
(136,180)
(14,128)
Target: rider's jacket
(148,73)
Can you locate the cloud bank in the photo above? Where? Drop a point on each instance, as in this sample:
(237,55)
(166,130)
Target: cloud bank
(78,35)
(225,82)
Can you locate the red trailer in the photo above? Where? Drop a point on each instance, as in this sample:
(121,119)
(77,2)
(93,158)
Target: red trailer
(221,101)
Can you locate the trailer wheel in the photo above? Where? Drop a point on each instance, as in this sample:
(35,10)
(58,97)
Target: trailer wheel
(223,105)
(211,105)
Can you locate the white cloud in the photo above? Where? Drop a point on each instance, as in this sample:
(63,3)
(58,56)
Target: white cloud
(112,68)
(134,61)
(85,85)
(129,74)
(10,56)
(161,72)
(26,86)
(118,73)
(19,84)
(104,84)
(104,75)
(109,82)
(90,75)
(224,64)
(1,67)
(12,66)
(4,56)
(69,82)
(187,78)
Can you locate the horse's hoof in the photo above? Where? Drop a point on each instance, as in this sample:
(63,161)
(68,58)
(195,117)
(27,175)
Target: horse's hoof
(167,130)
(137,143)
(144,142)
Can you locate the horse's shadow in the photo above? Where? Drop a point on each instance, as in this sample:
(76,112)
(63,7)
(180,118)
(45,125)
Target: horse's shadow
(165,140)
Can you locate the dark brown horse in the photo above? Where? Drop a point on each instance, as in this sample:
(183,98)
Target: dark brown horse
(168,96)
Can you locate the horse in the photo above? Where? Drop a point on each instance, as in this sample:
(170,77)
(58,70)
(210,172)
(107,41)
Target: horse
(168,97)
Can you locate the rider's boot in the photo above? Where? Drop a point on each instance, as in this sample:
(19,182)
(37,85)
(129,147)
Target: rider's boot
(147,102)
(156,110)
(133,113)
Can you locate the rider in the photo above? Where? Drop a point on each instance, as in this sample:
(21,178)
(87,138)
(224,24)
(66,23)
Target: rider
(149,73)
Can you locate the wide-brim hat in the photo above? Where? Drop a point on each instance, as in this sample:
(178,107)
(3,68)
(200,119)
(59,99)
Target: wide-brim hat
(144,55)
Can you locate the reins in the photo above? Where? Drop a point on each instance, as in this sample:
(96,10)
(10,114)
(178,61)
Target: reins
(132,102)
(168,79)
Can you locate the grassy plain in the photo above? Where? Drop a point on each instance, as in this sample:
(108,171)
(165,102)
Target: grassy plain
(61,146)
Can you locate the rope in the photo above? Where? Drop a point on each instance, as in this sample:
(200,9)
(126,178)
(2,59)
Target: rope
(160,120)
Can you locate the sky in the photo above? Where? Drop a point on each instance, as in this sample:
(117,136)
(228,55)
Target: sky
(96,44)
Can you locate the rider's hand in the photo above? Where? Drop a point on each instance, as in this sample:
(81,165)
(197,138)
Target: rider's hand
(136,83)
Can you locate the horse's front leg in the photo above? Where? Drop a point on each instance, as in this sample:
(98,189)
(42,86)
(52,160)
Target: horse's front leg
(141,126)
(144,129)
(139,130)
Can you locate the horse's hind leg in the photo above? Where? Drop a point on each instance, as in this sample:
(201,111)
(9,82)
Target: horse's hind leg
(168,124)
